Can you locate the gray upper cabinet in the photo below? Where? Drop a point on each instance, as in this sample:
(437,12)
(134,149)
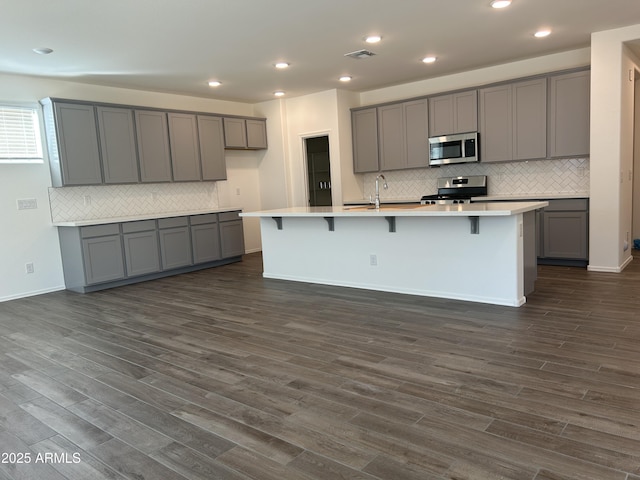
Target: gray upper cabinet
(256,133)
(453,113)
(364,126)
(153,146)
(118,145)
(185,152)
(569,97)
(235,133)
(72,138)
(244,133)
(513,121)
(211,141)
(403,135)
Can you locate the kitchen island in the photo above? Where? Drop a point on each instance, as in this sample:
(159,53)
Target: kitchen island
(480,252)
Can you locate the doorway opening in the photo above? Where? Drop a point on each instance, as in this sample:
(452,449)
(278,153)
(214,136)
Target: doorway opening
(318,171)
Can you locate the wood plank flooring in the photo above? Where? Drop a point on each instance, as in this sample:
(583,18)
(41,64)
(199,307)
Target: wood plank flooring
(221,374)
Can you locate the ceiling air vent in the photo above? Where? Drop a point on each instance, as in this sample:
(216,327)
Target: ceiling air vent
(359,54)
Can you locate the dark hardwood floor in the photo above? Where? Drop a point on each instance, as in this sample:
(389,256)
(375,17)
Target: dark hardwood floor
(221,374)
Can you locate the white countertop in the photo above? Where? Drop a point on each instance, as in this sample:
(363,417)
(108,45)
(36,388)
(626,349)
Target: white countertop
(399,210)
(146,216)
(533,196)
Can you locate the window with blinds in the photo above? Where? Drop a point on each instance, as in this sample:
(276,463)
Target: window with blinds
(20,140)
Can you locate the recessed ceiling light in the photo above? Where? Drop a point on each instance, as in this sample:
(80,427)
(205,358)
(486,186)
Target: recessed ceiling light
(429,59)
(215,83)
(279,93)
(43,50)
(282,65)
(372,38)
(345,78)
(542,33)
(500,3)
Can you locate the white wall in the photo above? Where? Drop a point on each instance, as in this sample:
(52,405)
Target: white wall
(636,161)
(28,235)
(612,92)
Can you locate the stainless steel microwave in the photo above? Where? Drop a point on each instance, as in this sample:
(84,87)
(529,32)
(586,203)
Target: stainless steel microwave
(457,148)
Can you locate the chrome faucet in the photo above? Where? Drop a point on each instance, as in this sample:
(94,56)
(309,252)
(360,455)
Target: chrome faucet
(384,185)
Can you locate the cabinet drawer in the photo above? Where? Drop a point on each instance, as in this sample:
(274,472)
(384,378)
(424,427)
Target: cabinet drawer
(141,226)
(173,222)
(100,230)
(567,205)
(229,216)
(202,219)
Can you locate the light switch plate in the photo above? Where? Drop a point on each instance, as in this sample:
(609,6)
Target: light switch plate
(27,203)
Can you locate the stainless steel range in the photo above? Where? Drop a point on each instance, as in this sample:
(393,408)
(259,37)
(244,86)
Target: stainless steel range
(456,190)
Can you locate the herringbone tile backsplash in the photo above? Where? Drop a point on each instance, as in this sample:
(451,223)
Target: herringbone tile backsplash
(87,203)
(539,177)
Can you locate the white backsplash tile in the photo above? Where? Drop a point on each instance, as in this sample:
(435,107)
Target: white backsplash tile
(105,201)
(539,177)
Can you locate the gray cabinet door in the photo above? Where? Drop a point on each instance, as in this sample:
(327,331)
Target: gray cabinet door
(185,152)
(453,113)
(403,135)
(175,247)
(565,235)
(391,139)
(569,97)
(77,143)
(496,124)
(416,133)
(141,253)
(513,121)
(231,238)
(103,259)
(235,133)
(211,140)
(118,145)
(205,240)
(256,133)
(153,146)
(530,119)
(364,124)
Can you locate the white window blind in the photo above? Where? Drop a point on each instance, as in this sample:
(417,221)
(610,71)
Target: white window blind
(20,140)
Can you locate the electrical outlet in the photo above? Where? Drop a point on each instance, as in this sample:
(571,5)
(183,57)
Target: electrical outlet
(28,267)
(373,260)
(237,191)
(27,204)
(87,200)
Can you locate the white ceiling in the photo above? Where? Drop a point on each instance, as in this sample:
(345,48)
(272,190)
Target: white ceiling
(177,46)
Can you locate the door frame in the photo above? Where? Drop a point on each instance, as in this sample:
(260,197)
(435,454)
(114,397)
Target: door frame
(303,145)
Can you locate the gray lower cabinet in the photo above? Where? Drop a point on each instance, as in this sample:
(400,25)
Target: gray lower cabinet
(103,256)
(205,238)
(364,128)
(91,255)
(153,146)
(564,232)
(231,234)
(175,242)
(118,145)
(72,139)
(141,252)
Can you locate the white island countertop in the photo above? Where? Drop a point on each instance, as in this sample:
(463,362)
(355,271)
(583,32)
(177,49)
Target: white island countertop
(408,210)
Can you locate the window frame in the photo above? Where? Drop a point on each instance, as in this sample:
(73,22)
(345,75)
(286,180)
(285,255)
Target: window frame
(38,131)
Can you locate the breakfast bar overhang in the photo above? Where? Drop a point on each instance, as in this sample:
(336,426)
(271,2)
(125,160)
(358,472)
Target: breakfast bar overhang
(479,252)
